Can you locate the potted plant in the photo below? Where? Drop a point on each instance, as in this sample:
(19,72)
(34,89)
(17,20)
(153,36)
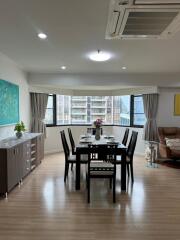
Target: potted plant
(19,128)
(98,124)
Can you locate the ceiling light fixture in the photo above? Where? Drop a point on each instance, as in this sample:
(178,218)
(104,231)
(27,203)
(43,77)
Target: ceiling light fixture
(42,36)
(124,68)
(63,67)
(99,56)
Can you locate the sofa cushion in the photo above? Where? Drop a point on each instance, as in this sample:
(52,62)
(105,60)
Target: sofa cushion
(173,144)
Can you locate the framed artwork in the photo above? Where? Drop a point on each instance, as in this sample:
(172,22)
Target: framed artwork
(9,103)
(177,105)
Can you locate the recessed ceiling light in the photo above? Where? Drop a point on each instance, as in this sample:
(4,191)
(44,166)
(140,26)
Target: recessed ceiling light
(63,67)
(99,56)
(42,35)
(124,68)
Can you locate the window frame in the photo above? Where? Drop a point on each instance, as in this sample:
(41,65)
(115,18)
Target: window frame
(132,97)
(132,112)
(54,111)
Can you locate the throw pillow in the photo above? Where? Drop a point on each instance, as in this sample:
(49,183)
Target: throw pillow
(173,144)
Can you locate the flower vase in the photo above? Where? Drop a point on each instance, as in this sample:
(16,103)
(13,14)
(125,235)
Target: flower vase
(18,134)
(98,134)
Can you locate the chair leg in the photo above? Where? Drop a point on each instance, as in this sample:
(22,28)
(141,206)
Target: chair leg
(88,183)
(127,165)
(132,174)
(71,166)
(114,189)
(66,171)
(110,183)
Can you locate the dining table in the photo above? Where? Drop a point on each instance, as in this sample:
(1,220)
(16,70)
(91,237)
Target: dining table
(83,149)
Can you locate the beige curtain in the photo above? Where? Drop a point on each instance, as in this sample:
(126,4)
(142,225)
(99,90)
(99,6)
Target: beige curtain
(38,111)
(150,102)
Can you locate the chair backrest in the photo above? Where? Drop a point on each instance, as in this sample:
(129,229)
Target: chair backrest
(106,152)
(93,130)
(125,138)
(132,145)
(65,145)
(71,141)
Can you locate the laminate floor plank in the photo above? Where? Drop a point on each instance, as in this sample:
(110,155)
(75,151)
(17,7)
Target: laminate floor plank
(44,208)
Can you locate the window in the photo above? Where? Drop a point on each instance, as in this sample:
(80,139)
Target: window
(63,109)
(49,116)
(122,110)
(138,111)
(119,110)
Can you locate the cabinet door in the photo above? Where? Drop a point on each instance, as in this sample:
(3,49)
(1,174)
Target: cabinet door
(19,162)
(12,173)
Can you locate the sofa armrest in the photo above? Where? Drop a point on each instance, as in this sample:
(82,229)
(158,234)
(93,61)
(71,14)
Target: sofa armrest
(164,151)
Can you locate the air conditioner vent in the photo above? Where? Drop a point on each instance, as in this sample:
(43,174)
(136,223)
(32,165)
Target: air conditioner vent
(148,23)
(156,2)
(136,21)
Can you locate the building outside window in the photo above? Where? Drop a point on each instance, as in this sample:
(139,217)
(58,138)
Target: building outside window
(122,110)
(119,110)
(139,117)
(49,117)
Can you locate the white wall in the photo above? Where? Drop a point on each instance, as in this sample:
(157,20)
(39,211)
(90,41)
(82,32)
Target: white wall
(9,71)
(165,116)
(53,141)
(118,132)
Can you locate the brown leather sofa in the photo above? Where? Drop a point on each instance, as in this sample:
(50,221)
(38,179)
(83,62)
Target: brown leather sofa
(168,132)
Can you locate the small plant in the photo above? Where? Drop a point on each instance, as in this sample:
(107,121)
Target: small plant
(20,127)
(98,123)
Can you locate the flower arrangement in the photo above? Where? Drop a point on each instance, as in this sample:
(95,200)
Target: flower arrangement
(98,123)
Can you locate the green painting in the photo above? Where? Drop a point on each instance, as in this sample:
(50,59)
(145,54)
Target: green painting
(9,103)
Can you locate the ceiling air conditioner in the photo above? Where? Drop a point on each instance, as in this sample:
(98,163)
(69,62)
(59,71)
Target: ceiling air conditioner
(143,19)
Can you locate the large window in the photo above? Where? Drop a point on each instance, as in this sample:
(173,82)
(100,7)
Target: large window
(49,117)
(138,111)
(122,110)
(63,109)
(119,110)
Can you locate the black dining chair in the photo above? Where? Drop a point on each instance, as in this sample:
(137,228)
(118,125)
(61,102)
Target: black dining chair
(73,147)
(99,167)
(130,154)
(125,138)
(69,159)
(93,131)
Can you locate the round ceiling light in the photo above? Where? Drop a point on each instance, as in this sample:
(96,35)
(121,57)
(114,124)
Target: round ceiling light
(63,67)
(42,35)
(99,56)
(124,68)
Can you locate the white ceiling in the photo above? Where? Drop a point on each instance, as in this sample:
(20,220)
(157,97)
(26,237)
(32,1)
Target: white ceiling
(75,28)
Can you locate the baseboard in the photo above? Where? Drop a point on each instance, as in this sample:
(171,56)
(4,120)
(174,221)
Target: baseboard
(58,151)
(139,154)
(52,151)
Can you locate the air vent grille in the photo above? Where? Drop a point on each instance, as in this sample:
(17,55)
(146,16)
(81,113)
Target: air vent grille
(148,23)
(143,19)
(156,2)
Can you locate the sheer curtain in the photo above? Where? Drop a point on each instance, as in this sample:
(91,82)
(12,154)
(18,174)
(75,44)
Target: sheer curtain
(38,110)
(150,102)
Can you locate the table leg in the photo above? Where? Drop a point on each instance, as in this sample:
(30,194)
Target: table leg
(123,171)
(78,171)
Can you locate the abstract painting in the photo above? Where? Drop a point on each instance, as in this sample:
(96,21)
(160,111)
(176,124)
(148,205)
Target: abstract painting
(177,105)
(9,103)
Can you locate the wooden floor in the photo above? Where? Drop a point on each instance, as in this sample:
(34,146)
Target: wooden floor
(43,208)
